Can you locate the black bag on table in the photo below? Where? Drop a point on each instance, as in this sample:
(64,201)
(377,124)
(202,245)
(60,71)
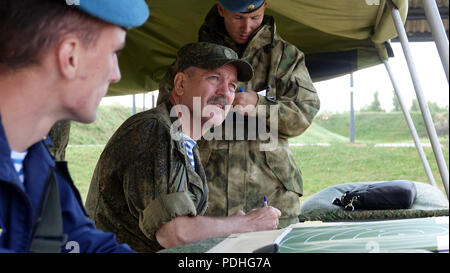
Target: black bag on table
(397,194)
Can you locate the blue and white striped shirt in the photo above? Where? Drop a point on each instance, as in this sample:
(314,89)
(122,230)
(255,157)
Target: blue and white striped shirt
(17,159)
(190,143)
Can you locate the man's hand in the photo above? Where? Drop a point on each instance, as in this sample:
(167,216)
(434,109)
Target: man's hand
(265,218)
(246,102)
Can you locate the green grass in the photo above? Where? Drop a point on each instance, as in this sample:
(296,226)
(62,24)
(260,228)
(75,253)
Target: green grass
(92,138)
(82,161)
(373,127)
(318,134)
(109,118)
(322,167)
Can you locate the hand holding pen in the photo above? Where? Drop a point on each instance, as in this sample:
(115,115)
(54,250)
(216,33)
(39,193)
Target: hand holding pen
(244,98)
(263,218)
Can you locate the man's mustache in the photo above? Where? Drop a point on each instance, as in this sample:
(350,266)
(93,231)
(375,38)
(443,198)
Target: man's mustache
(218,99)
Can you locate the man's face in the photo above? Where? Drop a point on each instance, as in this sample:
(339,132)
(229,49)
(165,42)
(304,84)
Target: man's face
(215,88)
(98,68)
(240,26)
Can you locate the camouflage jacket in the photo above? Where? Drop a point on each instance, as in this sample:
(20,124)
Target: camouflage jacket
(239,173)
(144,179)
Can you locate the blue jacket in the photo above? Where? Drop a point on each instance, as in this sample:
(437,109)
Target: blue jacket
(18,207)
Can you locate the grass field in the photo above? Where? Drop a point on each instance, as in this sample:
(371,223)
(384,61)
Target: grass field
(376,127)
(321,166)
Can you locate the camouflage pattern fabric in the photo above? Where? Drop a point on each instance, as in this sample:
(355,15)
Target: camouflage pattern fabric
(59,134)
(239,174)
(342,215)
(144,179)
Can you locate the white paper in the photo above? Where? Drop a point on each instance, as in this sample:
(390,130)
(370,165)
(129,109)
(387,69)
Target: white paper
(442,220)
(442,243)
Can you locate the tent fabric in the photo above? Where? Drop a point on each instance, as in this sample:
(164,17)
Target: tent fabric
(338,37)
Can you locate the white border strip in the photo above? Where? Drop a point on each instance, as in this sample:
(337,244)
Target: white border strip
(442,243)
(281,237)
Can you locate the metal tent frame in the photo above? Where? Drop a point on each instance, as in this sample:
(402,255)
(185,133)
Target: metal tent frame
(442,44)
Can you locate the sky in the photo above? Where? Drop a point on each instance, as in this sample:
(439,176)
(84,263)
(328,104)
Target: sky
(334,94)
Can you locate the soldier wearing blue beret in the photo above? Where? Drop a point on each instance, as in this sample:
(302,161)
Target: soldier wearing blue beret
(57,59)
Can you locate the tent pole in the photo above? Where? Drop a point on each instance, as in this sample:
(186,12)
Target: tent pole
(438,31)
(411,126)
(431,130)
(352,112)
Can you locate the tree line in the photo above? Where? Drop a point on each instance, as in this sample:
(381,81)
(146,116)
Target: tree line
(375,106)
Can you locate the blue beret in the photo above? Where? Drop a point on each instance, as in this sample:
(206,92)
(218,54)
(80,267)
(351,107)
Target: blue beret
(244,6)
(125,13)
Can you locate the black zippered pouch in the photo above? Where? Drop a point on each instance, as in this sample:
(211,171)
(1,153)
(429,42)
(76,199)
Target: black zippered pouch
(398,194)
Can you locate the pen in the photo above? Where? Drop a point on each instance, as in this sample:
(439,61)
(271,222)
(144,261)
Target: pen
(265,201)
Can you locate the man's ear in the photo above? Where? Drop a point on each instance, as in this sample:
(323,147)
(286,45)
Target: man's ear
(68,56)
(220,9)
(178,83)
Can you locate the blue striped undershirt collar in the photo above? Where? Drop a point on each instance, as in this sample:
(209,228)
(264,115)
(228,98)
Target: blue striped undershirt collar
(190,143)
(17,159)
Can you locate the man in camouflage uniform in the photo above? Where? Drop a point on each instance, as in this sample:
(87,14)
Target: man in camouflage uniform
(144,187)
(239,173)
